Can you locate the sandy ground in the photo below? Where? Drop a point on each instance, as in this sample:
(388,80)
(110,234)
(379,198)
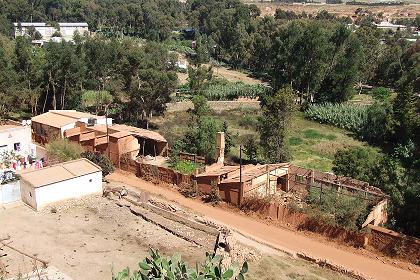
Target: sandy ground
(86,239)
(274,236)
(90,238)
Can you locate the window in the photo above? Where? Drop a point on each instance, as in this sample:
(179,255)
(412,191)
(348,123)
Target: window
(16,147)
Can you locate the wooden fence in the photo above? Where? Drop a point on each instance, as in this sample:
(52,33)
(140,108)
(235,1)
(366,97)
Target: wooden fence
(192,157)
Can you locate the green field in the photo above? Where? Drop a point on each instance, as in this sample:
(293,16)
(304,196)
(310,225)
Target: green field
(313,145)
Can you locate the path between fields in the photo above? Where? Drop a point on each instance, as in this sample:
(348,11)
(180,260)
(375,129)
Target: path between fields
(282,239)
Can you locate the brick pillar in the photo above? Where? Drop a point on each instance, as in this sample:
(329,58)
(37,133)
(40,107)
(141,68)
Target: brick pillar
(220,147)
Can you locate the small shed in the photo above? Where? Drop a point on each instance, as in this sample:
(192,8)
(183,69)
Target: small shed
(68,180)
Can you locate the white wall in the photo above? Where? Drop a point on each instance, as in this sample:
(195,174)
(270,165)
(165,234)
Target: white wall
(67,32)
(20,135)
(69,126)
(69,189)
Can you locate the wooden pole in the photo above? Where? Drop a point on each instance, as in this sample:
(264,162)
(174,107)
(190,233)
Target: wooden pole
(45,263)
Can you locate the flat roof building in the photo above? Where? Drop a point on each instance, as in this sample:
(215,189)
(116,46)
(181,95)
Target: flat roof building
(68,180)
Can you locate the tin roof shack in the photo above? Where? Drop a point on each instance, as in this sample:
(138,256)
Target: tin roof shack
(256,179)
(68,180)
(15,137)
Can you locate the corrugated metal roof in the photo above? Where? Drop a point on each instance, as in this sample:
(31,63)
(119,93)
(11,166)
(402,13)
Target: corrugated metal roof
(60,172)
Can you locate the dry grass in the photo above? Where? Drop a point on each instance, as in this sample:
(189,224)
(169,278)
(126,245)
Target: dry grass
(410,11)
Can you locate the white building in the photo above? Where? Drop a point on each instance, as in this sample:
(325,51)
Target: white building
(390,26)
(67,30)
(16,137)
(68,180)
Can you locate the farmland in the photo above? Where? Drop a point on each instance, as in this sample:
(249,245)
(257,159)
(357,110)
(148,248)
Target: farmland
(312,144)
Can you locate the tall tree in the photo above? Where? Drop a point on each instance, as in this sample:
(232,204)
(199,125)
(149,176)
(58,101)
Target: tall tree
(277,111)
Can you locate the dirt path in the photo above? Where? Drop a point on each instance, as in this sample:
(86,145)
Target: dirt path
(277,237)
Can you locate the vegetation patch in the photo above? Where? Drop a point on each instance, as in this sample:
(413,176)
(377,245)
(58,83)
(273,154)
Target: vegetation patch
(186,167)
(343,115)
(314,134)
(293,141)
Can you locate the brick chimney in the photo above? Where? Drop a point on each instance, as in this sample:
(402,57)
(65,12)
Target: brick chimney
(220,147)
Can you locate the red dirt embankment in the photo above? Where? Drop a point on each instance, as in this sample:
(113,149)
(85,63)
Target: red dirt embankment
(276,237)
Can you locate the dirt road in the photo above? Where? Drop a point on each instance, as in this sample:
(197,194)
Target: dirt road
(277,237)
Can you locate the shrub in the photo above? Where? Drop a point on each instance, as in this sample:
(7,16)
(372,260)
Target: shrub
(186,167)
(356,162)
(61,150)
(381,93)
(346,116)
(190,190)
(214,196)
(100,159)
(341,209)
(248,121)
(174,268)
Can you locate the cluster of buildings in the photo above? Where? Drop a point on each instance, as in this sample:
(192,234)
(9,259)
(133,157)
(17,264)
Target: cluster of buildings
(22,152)
(47,32)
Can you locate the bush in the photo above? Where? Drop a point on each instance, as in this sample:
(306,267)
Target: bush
(214,196)
(248,121)
(346,116)
(185,167)
(338,209)
(174,268)
(100,159)
(356,162)
(61,150)
(190,190)
(381,93)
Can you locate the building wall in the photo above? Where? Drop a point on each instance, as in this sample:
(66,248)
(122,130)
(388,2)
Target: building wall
(28,193)
(9,137)
(43,133)
(10,193)
(69,189)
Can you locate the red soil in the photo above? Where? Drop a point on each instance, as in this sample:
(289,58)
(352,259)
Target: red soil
(280,238)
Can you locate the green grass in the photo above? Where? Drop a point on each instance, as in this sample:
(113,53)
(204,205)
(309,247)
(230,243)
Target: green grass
(186,167)
(312,144)
(315,134)
(283,267)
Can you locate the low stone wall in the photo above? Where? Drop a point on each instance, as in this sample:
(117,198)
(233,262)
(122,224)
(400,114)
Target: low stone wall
(159,174)
(301,221)
(394,244)
(215,105)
